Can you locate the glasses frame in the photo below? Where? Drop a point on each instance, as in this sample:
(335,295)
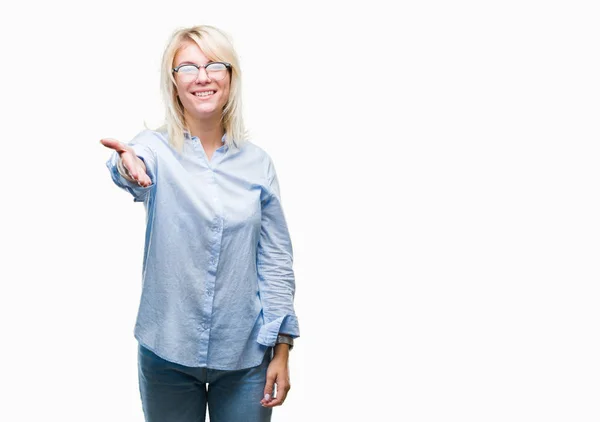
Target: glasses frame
(227,67)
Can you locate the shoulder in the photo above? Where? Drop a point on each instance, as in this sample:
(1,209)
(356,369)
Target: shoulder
(151,138)
(257,154)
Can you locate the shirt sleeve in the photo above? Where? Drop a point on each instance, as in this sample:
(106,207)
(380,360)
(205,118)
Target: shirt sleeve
(148,156)
(274,264)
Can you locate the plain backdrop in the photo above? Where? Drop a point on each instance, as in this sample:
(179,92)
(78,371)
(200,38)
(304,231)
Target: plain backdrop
(438,164)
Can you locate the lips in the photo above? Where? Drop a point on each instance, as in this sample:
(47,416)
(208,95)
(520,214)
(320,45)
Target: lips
(204,93)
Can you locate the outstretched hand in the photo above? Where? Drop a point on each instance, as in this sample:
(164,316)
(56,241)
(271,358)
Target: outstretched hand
(132,164)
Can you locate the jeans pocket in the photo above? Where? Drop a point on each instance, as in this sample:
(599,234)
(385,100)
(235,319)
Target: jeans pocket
(147,356)
(268,356)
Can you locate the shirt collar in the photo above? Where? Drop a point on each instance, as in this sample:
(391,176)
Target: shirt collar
(187,135)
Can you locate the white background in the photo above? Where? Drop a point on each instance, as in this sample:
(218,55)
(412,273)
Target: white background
(438,163)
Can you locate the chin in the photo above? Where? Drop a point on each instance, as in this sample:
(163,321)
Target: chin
(206,109)
(204,112)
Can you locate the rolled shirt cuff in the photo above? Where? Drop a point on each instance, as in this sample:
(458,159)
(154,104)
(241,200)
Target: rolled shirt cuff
(287,324)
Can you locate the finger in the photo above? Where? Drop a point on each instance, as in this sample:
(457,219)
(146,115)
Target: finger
(140,175)
(282,390)
(145,181)
(131,165)
(144,178)
(268,391)
(138,168)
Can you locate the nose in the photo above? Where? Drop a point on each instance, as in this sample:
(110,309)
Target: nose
(203,76)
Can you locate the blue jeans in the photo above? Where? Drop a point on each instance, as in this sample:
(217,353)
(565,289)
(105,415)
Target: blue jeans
(175,393)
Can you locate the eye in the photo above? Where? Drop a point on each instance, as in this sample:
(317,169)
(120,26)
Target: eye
(214,67)
(188,68)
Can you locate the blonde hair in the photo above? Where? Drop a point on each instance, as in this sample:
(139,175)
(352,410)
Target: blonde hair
(217,46)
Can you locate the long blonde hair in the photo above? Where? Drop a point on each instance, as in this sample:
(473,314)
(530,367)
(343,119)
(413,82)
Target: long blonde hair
(217,46)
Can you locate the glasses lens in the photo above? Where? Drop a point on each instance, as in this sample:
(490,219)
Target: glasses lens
(188,72)
(216,71)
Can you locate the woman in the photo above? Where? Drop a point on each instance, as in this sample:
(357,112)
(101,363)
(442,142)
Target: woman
(216,318)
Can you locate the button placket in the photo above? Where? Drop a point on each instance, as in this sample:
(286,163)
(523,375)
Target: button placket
(214,250)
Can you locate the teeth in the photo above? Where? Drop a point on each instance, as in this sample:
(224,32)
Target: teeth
(204,94)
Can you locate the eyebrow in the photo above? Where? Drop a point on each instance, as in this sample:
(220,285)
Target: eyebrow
(182,63)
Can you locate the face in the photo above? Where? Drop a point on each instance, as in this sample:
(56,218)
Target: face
(199,107)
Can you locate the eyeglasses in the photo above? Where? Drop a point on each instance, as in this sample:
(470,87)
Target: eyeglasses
(214,70)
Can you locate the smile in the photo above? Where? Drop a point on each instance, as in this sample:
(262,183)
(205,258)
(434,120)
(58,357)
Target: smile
(204,94)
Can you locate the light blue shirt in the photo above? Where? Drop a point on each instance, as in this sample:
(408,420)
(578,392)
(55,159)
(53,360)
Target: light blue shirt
(217,280)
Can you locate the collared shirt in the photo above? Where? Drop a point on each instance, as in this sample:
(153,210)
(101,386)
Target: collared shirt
(217,280)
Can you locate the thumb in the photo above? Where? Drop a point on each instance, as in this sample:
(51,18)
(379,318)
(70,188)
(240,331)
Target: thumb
(114,144)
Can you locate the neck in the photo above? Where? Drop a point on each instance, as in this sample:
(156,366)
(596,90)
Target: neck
(209,131)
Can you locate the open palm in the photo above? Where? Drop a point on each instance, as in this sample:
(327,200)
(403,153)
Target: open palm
(131,162)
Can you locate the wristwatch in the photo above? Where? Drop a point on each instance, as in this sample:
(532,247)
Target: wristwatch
(285,339)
